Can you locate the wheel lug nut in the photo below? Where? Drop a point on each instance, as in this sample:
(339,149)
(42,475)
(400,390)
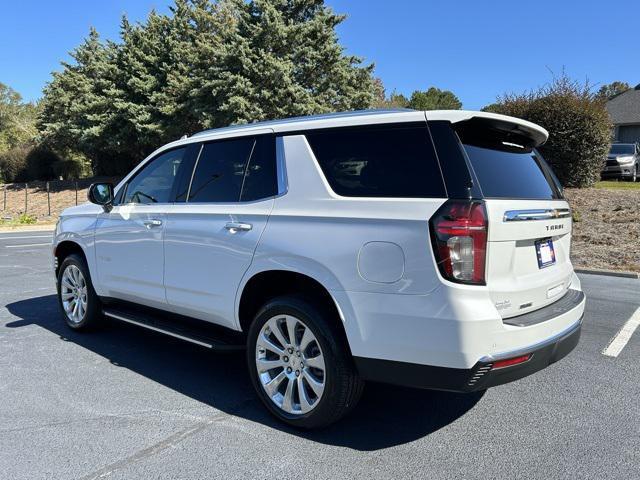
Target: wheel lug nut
(290,350)
(285,358)
(297,373)
(288,369)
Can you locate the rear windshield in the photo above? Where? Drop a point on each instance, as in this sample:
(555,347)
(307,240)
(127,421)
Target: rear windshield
(513,174)
(618,149)
(388,161)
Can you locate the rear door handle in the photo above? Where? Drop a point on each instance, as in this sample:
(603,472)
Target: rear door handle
(152,223)
(235,227)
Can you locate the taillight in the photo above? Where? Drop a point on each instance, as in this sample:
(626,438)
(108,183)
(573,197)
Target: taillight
(459,237)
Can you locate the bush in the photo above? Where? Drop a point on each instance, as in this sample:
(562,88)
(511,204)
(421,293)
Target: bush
(13,164)
(25,219)
(578,124)
(40,161)
(27,163)
(74,165)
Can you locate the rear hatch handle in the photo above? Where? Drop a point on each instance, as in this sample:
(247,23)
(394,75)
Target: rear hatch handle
(536,214)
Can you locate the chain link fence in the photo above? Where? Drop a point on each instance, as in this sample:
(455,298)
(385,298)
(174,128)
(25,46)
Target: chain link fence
(44,200)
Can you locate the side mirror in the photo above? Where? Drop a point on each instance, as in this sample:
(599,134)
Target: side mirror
(101,194)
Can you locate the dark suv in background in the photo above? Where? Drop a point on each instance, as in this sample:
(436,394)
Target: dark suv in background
(622,162)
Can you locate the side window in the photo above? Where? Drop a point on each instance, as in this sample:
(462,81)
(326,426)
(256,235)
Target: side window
(220,170)
(153,184)
(118,198)
(388,161)
(261,179)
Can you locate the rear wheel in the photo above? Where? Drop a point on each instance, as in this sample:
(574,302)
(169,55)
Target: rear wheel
(78,301)
(299,365)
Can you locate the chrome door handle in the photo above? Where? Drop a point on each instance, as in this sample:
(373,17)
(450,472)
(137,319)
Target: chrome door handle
(235,227)
(152,223)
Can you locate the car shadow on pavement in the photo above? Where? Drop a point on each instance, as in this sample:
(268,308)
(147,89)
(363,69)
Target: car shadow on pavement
(385,417)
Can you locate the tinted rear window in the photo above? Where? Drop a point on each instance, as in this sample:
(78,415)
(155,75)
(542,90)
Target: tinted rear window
(260,180)
(378,161)
(220,171)
(512,174)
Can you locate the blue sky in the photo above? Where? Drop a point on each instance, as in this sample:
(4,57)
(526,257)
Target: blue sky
(477,49)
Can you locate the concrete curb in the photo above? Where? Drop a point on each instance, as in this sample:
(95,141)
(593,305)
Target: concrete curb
(609,273)
(28,228)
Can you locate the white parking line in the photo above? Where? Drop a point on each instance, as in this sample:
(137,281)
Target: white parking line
(621,338)
(28,245)
(21,238)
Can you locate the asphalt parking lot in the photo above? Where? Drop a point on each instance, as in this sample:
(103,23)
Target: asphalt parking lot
(127,403)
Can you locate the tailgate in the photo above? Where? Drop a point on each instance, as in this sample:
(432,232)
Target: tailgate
(528,248)
(529,222)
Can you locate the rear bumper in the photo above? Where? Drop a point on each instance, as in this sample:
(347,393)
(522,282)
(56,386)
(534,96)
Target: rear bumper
(481,376)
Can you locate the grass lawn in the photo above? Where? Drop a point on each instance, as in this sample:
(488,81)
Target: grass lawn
(618,185)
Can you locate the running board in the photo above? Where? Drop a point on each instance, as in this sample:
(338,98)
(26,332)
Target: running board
(183,328)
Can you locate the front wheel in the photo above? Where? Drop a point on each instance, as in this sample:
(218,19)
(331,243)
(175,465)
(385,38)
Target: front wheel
(78,301)
(299,364)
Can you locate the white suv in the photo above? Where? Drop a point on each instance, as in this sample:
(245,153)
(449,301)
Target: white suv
(428,249)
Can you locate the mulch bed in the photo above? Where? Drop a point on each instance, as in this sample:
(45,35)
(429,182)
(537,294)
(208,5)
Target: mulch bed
(606,228)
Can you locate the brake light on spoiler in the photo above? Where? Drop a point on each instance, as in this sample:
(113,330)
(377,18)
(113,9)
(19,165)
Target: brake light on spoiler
(459,238)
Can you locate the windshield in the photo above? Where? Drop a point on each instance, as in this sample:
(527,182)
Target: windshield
(622,149)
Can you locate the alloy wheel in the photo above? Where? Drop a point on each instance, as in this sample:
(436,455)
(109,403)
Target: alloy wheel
(73,293)
(290,364)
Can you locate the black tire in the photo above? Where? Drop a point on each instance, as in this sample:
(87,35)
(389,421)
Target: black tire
(92,316)
(343,387)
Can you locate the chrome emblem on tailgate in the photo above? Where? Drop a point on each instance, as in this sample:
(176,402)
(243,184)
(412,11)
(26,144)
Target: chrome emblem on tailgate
(554,227)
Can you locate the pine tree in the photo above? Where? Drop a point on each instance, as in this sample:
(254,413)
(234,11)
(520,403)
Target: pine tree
(207,64)
(273,59)
(76,108)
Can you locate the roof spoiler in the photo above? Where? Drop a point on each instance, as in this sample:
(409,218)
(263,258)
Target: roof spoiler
(482,127)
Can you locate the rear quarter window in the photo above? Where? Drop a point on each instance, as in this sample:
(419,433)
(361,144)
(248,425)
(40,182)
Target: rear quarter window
(513,174)
(389,161)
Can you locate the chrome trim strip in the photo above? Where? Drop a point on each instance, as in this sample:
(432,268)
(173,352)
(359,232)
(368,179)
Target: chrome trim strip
(536,214)
(156,329)
(535,346)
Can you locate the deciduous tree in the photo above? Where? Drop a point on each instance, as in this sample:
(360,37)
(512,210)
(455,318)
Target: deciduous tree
(610,90)
(578,124)
(434,99)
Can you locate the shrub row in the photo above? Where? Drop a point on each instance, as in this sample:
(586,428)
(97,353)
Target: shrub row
(578,124)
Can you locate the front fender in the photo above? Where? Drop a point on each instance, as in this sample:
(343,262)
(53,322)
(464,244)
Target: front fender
(79,229)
